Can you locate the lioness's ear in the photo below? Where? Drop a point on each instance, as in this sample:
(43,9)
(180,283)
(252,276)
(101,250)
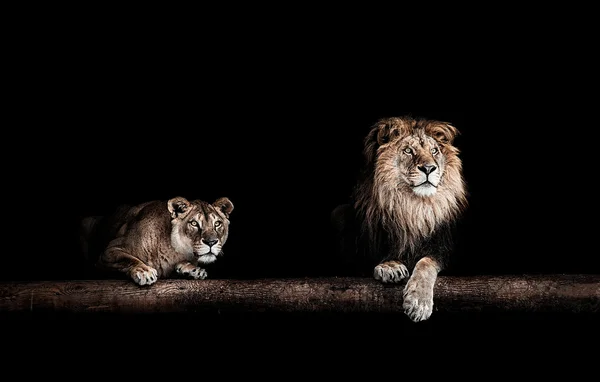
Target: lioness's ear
(224,204)
(178,206)
(444,133)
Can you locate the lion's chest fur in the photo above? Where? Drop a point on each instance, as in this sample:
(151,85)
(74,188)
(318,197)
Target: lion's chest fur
(399,224)
(414,216)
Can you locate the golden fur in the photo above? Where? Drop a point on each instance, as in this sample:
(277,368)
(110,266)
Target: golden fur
(159,238)
(385,197)
(409,197)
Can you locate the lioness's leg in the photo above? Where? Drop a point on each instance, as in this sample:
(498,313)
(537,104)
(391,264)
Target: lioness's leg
(390,272)
(117,259)
(188,269)
(418,292)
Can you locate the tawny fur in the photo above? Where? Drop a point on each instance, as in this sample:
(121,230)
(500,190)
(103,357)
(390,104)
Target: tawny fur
(385,202)
(405,207)
(158,239)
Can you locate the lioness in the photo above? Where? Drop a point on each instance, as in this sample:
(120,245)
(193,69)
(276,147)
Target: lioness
(154,239)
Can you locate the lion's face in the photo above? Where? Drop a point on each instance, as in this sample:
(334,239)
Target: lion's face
(412,157)
(200,228)
(416,161)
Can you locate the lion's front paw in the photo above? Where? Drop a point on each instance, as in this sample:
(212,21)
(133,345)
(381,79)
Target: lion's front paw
(198,273)
(418,300)
(390,272)
(144,275)
(188,270)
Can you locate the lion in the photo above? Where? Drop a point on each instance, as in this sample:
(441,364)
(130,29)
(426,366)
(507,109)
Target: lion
(405,207)
(158,239)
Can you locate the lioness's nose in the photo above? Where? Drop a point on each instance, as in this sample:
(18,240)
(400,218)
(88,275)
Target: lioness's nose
(427,169)
(210,242)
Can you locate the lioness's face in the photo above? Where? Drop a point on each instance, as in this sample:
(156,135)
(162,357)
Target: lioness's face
(202,231)
(415,160)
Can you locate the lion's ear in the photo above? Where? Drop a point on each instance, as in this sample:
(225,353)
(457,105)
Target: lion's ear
(177,206)
(377,136)
(381,133)
(224,204)
(443,133)
(388,129)
(385,133)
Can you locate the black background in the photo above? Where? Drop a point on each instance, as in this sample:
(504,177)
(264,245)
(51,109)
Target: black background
(120,110)
(285,150)
(116,107)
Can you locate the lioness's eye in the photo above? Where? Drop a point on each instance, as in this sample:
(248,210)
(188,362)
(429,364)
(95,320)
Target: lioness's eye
(194,223)
(218,224)
(408,151)
(434,151)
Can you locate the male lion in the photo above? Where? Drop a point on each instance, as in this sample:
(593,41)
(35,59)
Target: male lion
(405,205)
(154,239)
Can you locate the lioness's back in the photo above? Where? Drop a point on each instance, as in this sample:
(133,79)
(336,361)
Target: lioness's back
(97,231)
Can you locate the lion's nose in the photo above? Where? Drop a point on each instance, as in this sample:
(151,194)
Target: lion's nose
(210,242)
(427,169)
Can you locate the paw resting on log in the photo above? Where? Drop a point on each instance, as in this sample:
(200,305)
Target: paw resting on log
(189,270)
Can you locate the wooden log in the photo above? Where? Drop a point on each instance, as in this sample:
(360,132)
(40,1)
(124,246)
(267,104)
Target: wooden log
(522,293)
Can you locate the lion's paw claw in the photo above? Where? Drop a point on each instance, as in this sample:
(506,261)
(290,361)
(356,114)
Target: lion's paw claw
(390,272)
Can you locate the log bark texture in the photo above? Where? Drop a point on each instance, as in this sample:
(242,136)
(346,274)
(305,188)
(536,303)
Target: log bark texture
(524,293)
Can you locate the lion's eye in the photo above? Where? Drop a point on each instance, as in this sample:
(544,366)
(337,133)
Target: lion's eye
(408,151)
(218,224)
(435,150)
(194,223)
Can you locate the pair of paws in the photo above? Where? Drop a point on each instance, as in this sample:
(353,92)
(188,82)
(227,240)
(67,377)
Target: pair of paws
(145,275)
(417,294)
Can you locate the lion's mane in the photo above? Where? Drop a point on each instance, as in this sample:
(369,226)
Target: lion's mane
(391,217)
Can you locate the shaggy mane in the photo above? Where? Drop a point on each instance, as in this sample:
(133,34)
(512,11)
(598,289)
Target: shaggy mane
(390,212)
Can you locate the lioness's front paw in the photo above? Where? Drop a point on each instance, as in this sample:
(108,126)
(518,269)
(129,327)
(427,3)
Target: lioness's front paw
(390,272)
(144,275)
(188,270)
(418,301)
